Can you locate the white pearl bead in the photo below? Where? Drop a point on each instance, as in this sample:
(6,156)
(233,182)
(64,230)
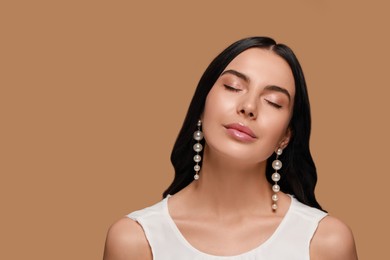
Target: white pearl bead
(197,168)
(197,158)
(279,151)
(198,135)
(276,188)
(196,176)
(275,197)
(199,123)
(276,176)
(277,165)
(198,147)
(274,206)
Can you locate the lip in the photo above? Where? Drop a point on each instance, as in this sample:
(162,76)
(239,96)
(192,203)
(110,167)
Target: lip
(240,132)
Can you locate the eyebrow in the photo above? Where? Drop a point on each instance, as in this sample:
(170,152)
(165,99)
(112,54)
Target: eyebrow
(246,79)
(279,89)
(236,73)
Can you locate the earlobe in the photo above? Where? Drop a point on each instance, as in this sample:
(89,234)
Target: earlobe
(285,140)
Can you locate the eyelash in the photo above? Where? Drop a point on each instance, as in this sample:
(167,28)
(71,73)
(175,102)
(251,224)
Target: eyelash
(231,88)
(238,90)
(274,104)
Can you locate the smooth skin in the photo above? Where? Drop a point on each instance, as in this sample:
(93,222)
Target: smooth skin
(228,210)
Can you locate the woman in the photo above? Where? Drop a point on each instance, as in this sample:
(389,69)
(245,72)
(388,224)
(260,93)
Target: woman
(245,190)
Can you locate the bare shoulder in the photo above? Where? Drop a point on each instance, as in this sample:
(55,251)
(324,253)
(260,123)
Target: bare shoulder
(333,240)
(126,240)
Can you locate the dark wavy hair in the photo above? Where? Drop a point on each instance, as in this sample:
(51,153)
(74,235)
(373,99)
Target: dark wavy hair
(299,175)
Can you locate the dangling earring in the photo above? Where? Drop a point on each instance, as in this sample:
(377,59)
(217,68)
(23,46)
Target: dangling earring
(198,135)
(277,165)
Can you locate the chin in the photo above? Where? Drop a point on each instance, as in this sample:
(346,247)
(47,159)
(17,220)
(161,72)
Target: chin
(238,154)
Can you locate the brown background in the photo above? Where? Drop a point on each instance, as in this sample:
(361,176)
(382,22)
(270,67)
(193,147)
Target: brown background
(93,94)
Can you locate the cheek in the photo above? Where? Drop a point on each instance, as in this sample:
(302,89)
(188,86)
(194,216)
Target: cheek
(213,107)
(272,124)
(276,128)
(214,115)
(276,122)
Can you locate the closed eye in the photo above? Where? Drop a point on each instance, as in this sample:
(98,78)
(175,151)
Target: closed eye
(277,106)
(230,88)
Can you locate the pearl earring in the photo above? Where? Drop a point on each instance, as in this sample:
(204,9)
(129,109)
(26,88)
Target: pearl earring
(277,165)
(198,135)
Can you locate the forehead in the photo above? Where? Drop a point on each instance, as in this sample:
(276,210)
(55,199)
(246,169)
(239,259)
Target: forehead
(264,67)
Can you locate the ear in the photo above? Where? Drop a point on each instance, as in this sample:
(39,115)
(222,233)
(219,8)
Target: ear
(286,139)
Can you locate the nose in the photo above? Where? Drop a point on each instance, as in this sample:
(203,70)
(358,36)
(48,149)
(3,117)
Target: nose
(248,107)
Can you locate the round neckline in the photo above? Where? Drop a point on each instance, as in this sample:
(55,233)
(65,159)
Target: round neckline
(186,243)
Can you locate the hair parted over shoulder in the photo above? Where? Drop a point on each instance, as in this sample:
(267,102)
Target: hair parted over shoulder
(299,171)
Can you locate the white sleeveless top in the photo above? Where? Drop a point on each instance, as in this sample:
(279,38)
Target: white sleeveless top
(290,241)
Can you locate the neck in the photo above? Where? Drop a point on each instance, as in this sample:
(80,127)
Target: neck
(228,185)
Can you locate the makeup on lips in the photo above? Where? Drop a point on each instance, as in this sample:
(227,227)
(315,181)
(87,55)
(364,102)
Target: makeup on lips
(240,132)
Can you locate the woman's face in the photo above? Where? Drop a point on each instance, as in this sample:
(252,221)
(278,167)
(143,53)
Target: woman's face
(248,110)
